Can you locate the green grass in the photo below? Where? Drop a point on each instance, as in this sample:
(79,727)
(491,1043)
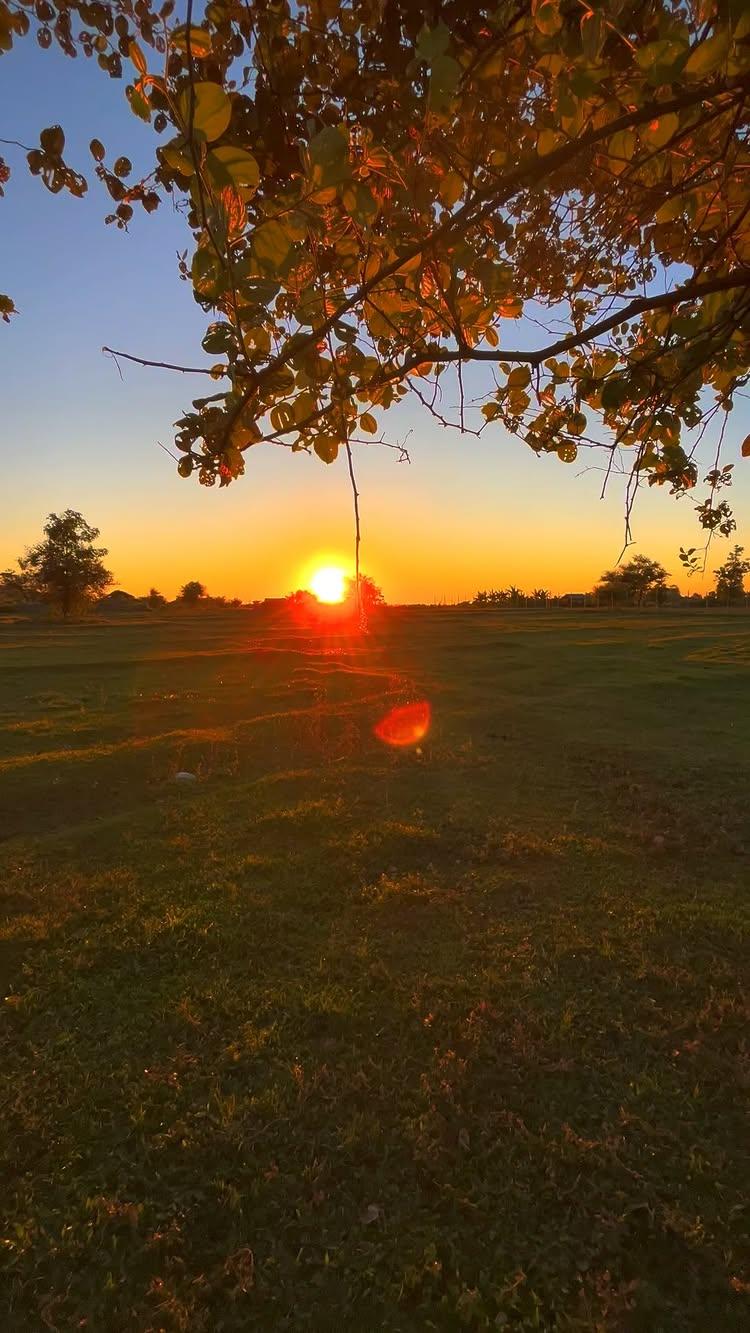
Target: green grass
(349,1038)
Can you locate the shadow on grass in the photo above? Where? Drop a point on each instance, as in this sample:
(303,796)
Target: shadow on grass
(274,1089)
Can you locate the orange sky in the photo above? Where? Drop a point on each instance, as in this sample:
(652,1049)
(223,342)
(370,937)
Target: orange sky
(462,516)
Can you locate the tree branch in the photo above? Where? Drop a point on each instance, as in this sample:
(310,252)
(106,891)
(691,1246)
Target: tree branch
(357,530)
(494,197)
(160,365)
(689,292)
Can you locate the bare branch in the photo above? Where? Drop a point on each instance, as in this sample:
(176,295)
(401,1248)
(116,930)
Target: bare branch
(160,365)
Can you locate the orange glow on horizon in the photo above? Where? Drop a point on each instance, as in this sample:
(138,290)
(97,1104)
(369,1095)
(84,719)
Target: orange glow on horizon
(407,725)
(328,584)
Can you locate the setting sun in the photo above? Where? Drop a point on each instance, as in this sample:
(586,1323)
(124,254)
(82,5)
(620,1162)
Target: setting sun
(329,584)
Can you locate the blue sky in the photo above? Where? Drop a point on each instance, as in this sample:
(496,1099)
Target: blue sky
(464,514)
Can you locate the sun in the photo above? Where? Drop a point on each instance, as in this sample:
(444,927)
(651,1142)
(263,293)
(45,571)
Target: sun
(328,583)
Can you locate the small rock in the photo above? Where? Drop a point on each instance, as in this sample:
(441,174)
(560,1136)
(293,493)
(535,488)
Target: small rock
(184,777)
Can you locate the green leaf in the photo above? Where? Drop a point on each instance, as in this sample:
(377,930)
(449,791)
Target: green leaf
(547,17)
(220,339)
(710,54)
(662,61)
(233,166)
(670,209)
(614,392)
(271,245)
(548,141)
(304,406)
(139,105)
(593,33)
(329,156)
(451,188)
(368,423)
(212,110)
(360,202)
(329,146)
(207,274)
(282,417)
(432,43)
(176,156)
(200,41)
(658,132)
(444,79)
(138,58)
(620,149)
(518,401)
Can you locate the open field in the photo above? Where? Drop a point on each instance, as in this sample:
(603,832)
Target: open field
(346,1037)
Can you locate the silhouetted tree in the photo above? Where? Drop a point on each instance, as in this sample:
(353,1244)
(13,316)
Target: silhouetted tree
(633,581)
(730,577)
(15,586)
(192,592)
(370,595)
(65,568)
(155,599)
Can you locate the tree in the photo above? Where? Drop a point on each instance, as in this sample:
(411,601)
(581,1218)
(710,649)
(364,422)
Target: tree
(392,185)
(66,568)
(16,586)
(155,599)
(370,595)
(192,592)
(633,581)
(730,577)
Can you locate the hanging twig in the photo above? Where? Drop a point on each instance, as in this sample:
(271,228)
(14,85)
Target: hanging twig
(160,365)
(357,530)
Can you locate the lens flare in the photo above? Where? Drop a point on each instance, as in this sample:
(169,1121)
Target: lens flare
(329,584)
(405,725)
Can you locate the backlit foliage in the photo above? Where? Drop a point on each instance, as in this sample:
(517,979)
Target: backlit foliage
(379,191)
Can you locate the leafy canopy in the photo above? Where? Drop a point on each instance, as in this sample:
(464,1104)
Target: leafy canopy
(376,198)
(730,577)
(192,591)
(635,579)
(65,568)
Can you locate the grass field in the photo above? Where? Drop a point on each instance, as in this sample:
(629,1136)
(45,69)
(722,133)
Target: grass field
(352,1038)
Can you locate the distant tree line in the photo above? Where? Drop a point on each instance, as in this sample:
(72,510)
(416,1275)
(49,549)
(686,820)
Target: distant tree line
(512,596)
(66,571)
(635,583)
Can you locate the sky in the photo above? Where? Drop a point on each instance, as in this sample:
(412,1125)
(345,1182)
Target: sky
(464,514)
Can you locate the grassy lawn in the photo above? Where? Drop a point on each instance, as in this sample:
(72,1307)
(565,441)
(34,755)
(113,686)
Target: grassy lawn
(351,1038)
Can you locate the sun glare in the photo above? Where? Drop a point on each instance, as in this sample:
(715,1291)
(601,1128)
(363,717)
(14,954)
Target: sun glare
(329,584)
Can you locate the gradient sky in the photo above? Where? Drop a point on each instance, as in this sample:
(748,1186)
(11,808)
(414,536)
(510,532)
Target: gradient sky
(464,514)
